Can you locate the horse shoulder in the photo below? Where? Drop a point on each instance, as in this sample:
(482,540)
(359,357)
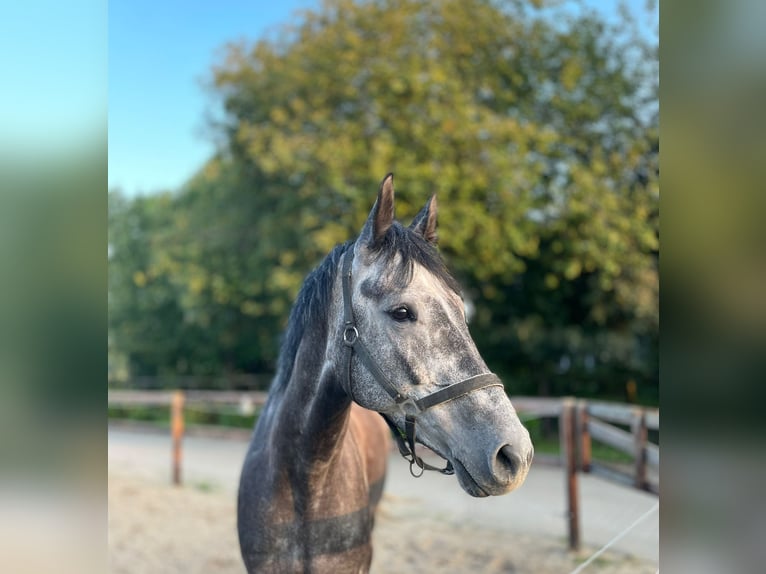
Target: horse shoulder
(372,437)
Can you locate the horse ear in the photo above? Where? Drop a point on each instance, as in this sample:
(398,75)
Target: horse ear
(382,215)
(425,221)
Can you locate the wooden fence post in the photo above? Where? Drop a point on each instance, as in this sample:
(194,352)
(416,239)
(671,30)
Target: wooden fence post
(640,435)
(177,433)
(568,450)
(583,437)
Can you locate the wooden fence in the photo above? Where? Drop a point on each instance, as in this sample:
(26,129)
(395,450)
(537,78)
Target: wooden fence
(580,423)
(177,402)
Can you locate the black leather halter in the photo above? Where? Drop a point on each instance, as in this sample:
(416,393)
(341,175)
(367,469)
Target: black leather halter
(410,407)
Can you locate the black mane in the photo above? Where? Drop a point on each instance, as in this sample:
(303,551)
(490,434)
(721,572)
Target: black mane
(310,307)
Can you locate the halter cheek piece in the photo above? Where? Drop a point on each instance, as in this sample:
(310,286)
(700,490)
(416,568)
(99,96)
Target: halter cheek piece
(410,407)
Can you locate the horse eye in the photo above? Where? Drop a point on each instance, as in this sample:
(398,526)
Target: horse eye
(401,314)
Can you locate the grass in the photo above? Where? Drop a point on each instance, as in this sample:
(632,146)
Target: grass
(599,452)
(193,415)
(204,486)
(153,414)
(546,441)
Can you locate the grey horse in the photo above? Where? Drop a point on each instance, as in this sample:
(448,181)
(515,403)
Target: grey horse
(378,328)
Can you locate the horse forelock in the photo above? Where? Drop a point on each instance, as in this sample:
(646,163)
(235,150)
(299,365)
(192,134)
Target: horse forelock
(411,249)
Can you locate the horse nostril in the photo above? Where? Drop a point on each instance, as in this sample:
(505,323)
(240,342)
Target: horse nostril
(508,461)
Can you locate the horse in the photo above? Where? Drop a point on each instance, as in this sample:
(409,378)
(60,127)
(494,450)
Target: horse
(378,328)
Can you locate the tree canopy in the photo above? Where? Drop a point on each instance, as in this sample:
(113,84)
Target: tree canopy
(535,126)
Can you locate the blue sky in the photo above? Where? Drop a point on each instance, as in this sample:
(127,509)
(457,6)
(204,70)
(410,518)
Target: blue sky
(53,65)
(160,53)
(159,56)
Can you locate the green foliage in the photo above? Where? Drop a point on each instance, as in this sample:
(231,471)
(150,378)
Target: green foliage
(536,128)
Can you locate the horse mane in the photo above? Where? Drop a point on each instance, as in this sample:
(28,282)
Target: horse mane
(310,307)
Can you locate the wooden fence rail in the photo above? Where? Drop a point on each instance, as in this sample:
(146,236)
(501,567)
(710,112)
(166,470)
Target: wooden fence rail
(164,398)
(580,423)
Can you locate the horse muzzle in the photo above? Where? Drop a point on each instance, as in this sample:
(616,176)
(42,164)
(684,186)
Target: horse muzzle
(497,470)
(484,463)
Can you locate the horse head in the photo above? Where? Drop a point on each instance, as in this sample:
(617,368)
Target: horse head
(403,305)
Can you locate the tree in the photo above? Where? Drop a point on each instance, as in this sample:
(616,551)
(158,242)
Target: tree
(536,127)
(144,314)
(535,134)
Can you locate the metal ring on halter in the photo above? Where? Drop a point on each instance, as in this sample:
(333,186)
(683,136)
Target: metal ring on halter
(415,461)
(412,404)
(350,335)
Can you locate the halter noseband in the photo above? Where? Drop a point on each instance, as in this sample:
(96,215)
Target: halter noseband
(410,407)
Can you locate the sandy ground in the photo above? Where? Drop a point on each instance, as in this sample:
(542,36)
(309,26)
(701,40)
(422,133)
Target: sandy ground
(157,528)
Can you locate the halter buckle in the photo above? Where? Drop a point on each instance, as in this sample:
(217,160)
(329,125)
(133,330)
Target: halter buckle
(409,407)
(350,335)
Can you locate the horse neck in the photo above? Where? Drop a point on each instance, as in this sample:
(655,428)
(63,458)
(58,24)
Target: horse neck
(318,407)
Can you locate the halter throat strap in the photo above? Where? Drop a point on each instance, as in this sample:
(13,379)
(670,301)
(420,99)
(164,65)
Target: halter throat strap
(411,408)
